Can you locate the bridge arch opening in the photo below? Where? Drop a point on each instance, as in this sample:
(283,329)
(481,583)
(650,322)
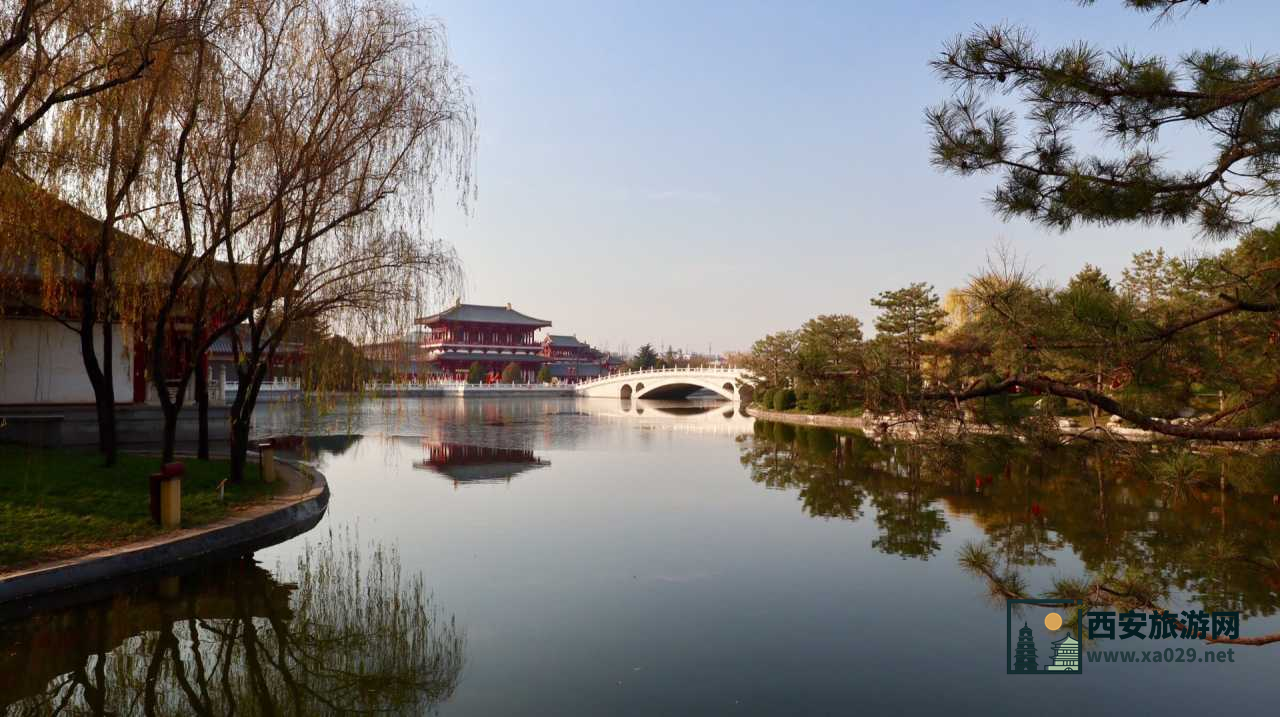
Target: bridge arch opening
(679,390)
(625,392)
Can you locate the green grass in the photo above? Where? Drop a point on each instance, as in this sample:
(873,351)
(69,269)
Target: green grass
(60,503)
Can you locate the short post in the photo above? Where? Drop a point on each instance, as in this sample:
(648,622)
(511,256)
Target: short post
(154,481)
(267,461)
(171,495)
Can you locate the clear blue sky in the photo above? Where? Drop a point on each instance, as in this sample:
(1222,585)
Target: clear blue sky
(707,172)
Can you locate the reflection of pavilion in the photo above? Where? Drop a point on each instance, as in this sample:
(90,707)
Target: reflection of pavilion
(1066,655)
(463,463)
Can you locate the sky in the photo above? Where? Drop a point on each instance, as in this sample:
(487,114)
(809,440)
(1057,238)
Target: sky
(699,174)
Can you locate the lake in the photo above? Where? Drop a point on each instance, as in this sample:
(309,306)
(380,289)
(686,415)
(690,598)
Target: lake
(587,556)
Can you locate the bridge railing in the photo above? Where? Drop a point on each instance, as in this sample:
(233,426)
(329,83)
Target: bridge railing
(686,370)
(455,386)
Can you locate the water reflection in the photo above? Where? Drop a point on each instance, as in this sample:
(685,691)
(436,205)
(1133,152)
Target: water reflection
(1179,527)
(463,463)
(344,632)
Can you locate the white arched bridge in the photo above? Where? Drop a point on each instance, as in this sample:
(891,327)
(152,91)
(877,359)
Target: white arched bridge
(667,383)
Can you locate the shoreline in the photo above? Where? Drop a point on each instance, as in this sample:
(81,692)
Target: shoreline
(254,527)
(874,426)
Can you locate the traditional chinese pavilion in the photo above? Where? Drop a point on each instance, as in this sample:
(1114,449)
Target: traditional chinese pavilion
(492,336)
(570,359)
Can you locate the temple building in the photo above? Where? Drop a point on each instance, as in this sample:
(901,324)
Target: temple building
(571,360)
(1066,655)
(443,347)
(492,336)
(46,395)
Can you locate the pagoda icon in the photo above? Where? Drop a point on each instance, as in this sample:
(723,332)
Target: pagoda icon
(1066,655)
(1025,655)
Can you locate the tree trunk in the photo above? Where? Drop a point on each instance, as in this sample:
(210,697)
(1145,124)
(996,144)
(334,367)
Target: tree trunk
(242,413)
(240,426)
(106,399)
(103,391)
(202,409)
(170,411)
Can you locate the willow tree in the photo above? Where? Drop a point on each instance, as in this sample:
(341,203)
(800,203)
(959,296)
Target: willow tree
(83,171)
(210,195)
(1049,174)
(358,116)
(57,52)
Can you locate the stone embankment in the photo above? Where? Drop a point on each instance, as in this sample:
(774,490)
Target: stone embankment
(904,428)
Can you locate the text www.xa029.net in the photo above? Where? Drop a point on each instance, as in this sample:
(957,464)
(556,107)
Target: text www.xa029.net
(1168,654)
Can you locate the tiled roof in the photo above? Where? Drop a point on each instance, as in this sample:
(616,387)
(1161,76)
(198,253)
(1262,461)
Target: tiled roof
(223,346)
(479,314)
(566,341)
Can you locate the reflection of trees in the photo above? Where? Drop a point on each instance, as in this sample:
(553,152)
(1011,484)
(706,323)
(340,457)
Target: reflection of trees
(1155,523)
(778,461)
(835,473)
(348,635)
(909,526)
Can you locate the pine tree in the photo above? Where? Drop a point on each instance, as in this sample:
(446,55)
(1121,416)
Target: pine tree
(1133,101)
(1092,150)
(646,357)
(907,318)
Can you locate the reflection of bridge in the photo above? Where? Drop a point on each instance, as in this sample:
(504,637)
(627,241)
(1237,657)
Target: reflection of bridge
(666,383)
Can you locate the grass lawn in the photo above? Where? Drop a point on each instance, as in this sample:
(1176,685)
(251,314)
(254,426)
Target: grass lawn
(60,503)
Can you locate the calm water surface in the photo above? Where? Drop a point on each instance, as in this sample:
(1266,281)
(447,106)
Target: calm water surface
(549,557)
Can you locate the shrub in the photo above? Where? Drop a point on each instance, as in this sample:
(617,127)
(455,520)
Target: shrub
(766,398)
(814,401)
(784,400)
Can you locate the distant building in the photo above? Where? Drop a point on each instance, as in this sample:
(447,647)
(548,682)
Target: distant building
(286,364)
(400,357)
(572,360)
(493,336)
(445,345)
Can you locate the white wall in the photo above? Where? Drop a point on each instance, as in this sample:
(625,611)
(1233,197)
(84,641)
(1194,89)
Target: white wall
(40,363)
